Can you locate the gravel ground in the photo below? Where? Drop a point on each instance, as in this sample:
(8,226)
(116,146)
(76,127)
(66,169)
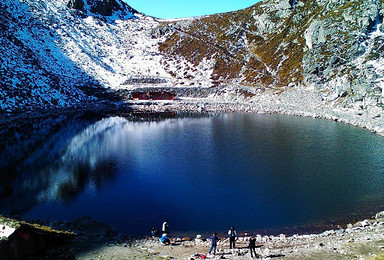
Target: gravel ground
(363,240)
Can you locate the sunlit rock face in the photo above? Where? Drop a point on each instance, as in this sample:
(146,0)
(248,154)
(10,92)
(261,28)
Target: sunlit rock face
(332,47)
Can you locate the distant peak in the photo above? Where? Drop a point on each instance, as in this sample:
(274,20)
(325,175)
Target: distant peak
(102,7)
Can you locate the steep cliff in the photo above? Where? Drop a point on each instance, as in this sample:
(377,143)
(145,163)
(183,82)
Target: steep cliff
(335,47)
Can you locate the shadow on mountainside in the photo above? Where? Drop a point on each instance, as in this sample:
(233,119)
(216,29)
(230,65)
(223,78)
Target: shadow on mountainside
(35,71)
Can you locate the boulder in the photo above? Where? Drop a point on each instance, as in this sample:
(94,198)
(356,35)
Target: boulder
(364,223)
(76,4)
(380,216)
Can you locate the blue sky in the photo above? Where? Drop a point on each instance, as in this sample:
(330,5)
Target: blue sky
(181,9)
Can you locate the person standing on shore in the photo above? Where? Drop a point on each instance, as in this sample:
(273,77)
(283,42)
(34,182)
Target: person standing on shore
(165,226)
(252,246)
(232,237)
(214,240)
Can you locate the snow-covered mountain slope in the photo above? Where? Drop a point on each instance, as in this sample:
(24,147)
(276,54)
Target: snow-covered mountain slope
(53,52)
(26,79)
(66,53)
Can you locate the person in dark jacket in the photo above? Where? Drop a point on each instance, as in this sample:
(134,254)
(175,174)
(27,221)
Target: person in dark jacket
(252,246)
(232,237)
(214,240)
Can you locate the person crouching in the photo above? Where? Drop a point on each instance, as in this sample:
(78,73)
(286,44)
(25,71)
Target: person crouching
(165,239)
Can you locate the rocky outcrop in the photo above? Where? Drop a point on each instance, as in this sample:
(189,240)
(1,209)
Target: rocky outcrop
(101,7)
(331,47)
(105,7)
(76,4)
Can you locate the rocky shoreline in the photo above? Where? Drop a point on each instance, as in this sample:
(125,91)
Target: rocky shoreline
(361,240)
(295,101)
(298,101)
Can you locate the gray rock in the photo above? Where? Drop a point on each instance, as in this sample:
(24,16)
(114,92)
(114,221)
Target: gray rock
(76,4)
(364,223)
(104,7)
(101,7)
(380,216)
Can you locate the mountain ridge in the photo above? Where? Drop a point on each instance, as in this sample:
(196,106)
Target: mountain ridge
(103,8)
(61,53)
(276,43)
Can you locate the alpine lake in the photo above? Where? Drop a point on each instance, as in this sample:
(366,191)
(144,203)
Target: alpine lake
(202,172)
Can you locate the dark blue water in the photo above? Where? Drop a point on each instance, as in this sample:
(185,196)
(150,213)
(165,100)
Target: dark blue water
(203,174)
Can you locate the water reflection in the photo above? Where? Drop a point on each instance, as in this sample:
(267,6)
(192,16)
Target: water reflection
(202,173)
(56,162)
(58,158)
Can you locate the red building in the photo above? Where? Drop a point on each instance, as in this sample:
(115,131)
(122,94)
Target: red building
(161,95)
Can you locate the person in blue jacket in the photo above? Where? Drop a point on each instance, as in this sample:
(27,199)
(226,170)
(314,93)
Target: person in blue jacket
(165,239)
(154,231)
(214,240)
